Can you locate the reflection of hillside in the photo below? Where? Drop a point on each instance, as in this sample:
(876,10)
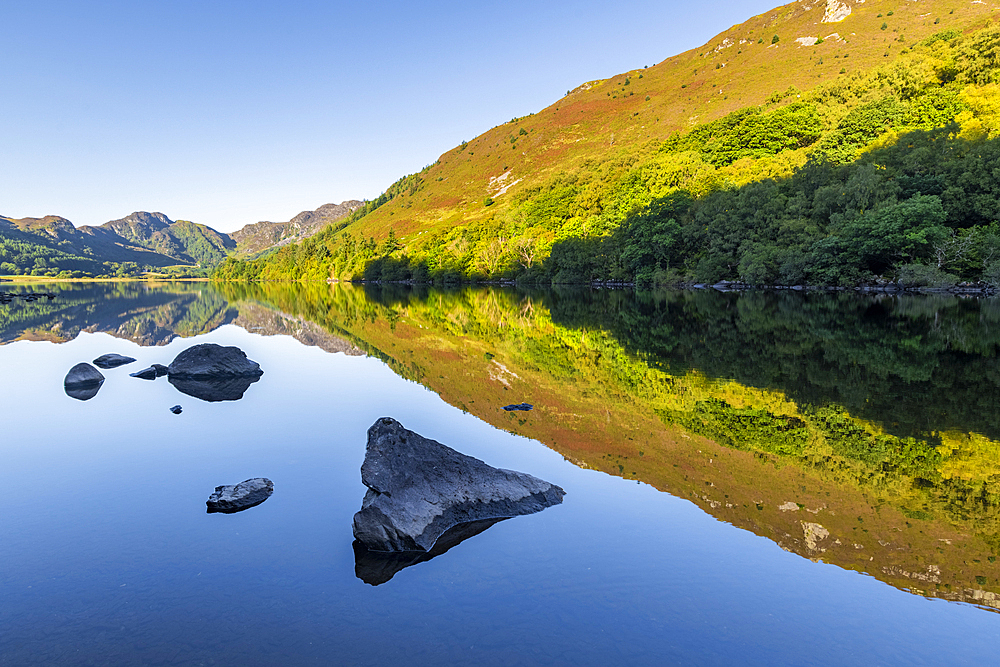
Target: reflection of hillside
(916,364)
(910,498)
(147,314)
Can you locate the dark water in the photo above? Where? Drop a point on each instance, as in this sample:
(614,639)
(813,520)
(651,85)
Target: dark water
(678,424)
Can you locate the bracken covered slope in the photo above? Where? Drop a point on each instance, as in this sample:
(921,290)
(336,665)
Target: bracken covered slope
(758,102)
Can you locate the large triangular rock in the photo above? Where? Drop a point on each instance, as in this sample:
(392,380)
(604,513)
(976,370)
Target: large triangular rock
(419,488)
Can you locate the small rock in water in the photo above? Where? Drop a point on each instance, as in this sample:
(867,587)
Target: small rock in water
(239,497)
(83,374)
(518,406)
(160,369)
(176,409)
(145,374)
(106,361)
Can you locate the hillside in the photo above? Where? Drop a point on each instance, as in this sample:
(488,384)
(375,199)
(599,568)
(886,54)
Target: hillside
(819,81)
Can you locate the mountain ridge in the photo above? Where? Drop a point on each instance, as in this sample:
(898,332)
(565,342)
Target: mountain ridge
(124,246)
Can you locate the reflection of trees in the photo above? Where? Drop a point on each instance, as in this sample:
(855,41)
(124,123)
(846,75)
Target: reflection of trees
(915,364)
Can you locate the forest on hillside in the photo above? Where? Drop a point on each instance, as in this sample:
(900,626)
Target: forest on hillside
(885,175)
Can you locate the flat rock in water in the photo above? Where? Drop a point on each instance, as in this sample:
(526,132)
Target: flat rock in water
(83,375)
(145,374)
(418,489)
(106,361)
(239,497)
(209,360)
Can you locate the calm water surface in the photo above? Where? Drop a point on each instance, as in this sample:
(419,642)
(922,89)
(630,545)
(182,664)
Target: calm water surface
(109,558)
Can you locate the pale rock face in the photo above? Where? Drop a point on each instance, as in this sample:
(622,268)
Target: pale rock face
(836,11)
(813,533)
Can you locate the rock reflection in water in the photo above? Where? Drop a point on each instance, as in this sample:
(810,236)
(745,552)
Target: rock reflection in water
(378,567)
(213,389)
(83,392)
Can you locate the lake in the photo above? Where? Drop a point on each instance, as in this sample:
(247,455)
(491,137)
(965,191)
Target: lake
(752,478)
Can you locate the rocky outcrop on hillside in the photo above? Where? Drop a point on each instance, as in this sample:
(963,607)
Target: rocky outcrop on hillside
(260,236)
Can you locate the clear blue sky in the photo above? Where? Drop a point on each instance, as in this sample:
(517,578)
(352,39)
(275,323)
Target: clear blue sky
(227,113)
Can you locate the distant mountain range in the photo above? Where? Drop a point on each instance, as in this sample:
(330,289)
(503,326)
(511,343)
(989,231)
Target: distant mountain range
(52,245)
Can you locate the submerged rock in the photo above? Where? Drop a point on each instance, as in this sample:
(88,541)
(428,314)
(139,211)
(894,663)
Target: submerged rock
(83,374)
(239,497)
(378,567)
(418,489)
(145,374)
(209,360)
(518,406)
(213,389)
(106,361)
(82,392)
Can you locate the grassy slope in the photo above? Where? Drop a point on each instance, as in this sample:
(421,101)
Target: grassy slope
(605,118)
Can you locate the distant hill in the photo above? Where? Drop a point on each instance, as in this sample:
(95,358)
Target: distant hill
(185,242)
(52,245)
(259,236)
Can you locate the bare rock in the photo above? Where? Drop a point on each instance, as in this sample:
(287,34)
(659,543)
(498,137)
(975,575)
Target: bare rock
(145,374)
(106,361)
(209,360)
(418,489)
(83,374)
(239,497)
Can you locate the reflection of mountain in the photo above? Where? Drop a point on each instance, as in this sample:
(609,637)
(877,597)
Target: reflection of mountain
(151,314)
(147,314)
(260,319)
(904,487)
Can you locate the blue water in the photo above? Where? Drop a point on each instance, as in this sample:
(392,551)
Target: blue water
(107,556)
